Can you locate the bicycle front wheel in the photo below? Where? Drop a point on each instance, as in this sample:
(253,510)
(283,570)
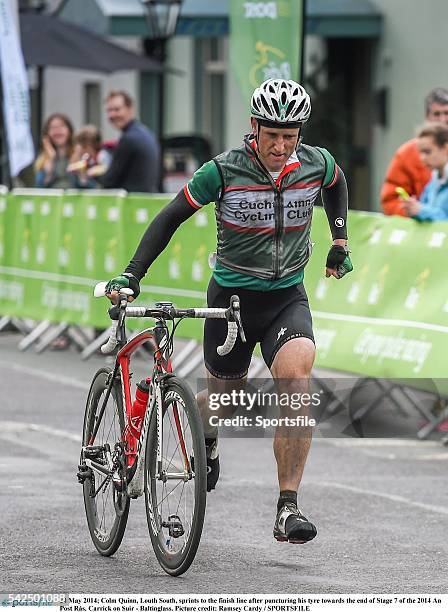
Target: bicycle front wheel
(107,507)
(175,486)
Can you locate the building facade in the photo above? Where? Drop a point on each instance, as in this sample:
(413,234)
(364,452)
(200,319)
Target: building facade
(368,66)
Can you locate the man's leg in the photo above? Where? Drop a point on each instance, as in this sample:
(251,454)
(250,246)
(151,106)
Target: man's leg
(215,386)
(291,370)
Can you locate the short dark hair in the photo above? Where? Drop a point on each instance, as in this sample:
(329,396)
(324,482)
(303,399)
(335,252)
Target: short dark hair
(438,95)
(113,93)
(436,130)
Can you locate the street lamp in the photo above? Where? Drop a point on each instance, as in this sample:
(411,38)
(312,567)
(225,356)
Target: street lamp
(161,16)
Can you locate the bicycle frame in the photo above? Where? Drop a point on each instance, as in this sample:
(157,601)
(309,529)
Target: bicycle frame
(158,337)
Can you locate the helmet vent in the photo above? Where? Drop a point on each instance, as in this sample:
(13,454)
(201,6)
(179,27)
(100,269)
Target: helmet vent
(301,105)
(265,104)
(290,107)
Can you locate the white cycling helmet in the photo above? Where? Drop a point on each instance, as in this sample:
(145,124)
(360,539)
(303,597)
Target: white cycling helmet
(280,102)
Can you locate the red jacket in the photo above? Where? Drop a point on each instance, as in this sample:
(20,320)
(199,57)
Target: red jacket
(405,170)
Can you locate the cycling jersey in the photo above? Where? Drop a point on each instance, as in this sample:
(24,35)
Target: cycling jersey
(263,224)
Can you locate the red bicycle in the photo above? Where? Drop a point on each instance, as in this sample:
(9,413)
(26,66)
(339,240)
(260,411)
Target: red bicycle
(149,443)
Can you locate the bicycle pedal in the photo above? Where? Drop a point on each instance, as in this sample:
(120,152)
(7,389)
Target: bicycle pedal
(174,525)
(84,472)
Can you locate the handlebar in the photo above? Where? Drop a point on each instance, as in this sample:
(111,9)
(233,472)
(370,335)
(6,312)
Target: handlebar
(165,310)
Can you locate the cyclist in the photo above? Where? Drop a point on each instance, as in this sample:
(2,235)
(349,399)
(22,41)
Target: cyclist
(264,193)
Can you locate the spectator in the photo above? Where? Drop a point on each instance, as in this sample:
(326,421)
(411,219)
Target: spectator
(57,147)
(432,143)
(135,163)
(406,170)
(89,158)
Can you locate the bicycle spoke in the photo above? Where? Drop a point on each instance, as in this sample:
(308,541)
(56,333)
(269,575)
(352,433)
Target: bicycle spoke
(106,518)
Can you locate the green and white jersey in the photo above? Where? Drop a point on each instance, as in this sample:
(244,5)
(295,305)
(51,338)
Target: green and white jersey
(263,224)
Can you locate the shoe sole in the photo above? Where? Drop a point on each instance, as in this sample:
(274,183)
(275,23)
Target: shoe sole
(282,538)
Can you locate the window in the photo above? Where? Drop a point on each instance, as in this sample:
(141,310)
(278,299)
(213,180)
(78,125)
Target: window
(92,104)
(210,92)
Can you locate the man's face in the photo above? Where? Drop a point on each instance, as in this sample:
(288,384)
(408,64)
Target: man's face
(438,112)
(275,145)
(118,113)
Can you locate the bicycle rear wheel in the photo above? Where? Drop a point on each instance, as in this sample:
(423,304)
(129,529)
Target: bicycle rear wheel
(175,489)
(106,506)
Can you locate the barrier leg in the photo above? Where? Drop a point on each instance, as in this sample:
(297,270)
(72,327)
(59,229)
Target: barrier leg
(184,353)
(34,335)
(195,359)
(5,321)
(51,336)
(335,399)
(20,325)
(78,336)
(433,423)
(95,344)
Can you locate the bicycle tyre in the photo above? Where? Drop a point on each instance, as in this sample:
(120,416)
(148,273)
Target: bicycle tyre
(106,543)
(176,391)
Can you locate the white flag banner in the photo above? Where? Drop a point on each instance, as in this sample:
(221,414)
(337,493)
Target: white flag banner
(16,101)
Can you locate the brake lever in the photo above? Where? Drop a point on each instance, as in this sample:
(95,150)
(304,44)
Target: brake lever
(235,307)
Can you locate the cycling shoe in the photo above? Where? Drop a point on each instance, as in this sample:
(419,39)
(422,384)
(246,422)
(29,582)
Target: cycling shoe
(291,526)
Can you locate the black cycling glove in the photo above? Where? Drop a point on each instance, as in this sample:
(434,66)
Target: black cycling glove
(338,259)
(125,281)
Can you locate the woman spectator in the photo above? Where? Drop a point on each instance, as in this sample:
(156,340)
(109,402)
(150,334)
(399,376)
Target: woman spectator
(56,150)
(432,143)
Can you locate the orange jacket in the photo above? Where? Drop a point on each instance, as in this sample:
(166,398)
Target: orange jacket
(405,170)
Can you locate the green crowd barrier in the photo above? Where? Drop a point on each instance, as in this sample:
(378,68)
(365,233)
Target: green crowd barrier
(388,318)
(55,246)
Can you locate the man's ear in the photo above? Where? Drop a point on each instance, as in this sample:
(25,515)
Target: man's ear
(299,138)
(254,125)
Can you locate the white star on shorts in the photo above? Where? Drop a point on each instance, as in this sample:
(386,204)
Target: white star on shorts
(281,332)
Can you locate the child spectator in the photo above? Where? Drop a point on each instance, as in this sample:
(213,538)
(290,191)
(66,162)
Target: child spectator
(432,143)
(89,158)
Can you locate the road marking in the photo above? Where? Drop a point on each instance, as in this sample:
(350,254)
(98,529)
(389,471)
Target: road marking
(16,427)
(432,457)
(56,378)
(16,487)
(377,442)
(395,498)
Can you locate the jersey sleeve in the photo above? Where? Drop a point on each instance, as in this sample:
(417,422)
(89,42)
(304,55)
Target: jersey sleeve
(331,169)
(204,186)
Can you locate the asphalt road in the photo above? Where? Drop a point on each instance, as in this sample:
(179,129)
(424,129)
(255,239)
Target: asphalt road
(380,506)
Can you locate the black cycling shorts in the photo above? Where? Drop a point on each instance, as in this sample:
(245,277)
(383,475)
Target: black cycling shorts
(269,317)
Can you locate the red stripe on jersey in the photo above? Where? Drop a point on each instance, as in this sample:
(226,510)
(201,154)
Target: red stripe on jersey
(249,230)
(248,188)
(335,178)
(296,228)
(286,170)
(303,185)
(190,199)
